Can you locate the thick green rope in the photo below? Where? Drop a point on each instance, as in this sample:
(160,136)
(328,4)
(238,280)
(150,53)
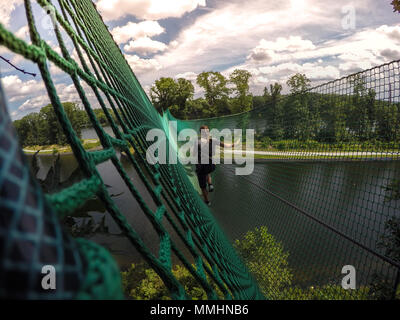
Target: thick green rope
(135,115)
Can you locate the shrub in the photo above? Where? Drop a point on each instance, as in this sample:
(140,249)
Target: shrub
(141,283)
(266,260)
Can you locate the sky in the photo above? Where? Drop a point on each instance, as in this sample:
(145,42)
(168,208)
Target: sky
(182,38)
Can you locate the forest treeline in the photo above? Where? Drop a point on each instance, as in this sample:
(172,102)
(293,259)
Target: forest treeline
(350,113)
(42,128)
(357,115)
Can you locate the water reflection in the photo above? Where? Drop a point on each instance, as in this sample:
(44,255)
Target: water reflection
(349,196)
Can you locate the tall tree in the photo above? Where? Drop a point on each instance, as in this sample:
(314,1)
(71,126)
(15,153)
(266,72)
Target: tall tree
(274,93)
(42,128)
(167,92)
(362,111)
(274,110)
(216,91)
(299,83)
(243,100)
(297,113)
(185,92)
(163,94)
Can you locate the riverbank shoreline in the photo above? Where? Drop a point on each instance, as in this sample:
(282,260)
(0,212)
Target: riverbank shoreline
(88,144)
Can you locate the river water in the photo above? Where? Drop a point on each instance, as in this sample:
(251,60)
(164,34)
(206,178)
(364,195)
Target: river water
(348,196)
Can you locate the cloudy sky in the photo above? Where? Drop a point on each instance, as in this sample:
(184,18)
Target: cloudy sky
(181,38)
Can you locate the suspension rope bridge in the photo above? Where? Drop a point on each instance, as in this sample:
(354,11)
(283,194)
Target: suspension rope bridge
(30,232)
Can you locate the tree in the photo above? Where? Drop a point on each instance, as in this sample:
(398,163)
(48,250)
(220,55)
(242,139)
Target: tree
(299,83)
(266,260)
(396,5)
(43,128)
(167,92)
(163,94)
(333,114)
(51,127)
(273,111)
(243,100)
(185,92)
(216,91)
(197,109)
(297,113)
(274,93)
(362,111)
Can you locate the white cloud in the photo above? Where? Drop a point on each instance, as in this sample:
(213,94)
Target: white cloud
(312,70)
(273,33)
(266,51)
(140,66)
(33,95)
(291,44)
(228,34)
(147,9)
(33,103)
(144,46)
(6,8)
(17,89)
(136,30)
(391,54)
(23,33)
(192,76)
(272,40)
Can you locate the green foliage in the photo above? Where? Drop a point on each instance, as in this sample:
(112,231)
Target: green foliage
(382,288)
(390,241)
(243,100)
(216,90)
(354,121)
(268,262)
(258,102)
(177,95)
(167,92)
(195,109)
(43,128)
(265,142)
(141,283)
(299,83)
(393,190)
(185,92)
(396,5)
(91,145)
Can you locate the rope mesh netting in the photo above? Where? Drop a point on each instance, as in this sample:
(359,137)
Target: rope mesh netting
(326,198)
(326,183)
(110,74)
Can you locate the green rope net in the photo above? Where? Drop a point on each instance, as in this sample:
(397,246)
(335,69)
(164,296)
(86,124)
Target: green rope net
(326,185)
(85,269)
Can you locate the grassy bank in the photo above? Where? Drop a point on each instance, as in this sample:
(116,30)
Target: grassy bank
(88,144)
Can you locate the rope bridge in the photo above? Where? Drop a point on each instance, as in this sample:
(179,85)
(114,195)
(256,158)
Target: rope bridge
(317,122)
(87,271)
(326,183)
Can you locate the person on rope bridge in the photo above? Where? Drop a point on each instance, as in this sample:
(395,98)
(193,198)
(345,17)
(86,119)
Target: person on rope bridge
(205,165)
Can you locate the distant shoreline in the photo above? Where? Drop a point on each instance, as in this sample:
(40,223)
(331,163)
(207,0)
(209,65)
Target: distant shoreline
(88,144)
